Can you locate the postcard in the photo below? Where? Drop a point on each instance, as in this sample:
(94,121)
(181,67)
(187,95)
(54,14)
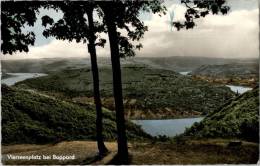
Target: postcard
(117,82)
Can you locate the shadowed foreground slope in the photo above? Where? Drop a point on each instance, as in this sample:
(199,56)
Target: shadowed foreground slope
(28,117)
(238,118)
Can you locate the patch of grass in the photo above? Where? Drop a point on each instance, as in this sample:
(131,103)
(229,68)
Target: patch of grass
(202,152)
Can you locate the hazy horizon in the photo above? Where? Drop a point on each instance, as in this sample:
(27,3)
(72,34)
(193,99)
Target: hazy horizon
(128,58)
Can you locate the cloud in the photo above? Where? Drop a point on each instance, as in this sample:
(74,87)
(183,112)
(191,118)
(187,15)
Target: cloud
(57,49)
(232,36)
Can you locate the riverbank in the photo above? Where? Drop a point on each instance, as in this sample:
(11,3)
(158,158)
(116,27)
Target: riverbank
(239,89)
(13,78)
(134,110)
(239,81)
(5,75)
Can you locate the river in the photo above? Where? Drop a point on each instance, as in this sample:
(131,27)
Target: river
(168,127)
(239,89)
(185,73)
(17,77)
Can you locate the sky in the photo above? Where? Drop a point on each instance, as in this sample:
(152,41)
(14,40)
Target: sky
(234,35)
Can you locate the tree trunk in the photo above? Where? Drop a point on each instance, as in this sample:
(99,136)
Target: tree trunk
(117,88)
(92,50)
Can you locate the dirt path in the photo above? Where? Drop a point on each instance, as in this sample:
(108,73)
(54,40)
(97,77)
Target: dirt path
(84,152)
(215,151)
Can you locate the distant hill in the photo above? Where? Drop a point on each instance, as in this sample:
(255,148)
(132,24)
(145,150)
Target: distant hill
(148,92)
(228,70)
(174,63)
(183,63)
(28,117)
(237,119)
(42,65)
(233,73)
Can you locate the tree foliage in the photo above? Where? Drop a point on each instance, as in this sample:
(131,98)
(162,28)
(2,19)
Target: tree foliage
(14,17)
(200,8)
(80,28)
(130,27)
(74,24)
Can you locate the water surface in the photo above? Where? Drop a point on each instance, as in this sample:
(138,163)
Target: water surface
(168,127)
(17,77)
(185,72)
(239,89)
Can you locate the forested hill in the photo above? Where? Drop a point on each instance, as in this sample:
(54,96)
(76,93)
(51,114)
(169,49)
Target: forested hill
(149,93)
(245,74)
(239,118)
(28,117)
(228,70)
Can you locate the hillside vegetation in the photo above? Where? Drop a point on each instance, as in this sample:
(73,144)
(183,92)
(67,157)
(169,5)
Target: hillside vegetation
(246,74)
(32,118)
(148,92)
(237,119)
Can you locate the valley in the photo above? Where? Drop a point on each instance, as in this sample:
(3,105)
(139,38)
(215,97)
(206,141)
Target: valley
(148,93)
(169,110)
